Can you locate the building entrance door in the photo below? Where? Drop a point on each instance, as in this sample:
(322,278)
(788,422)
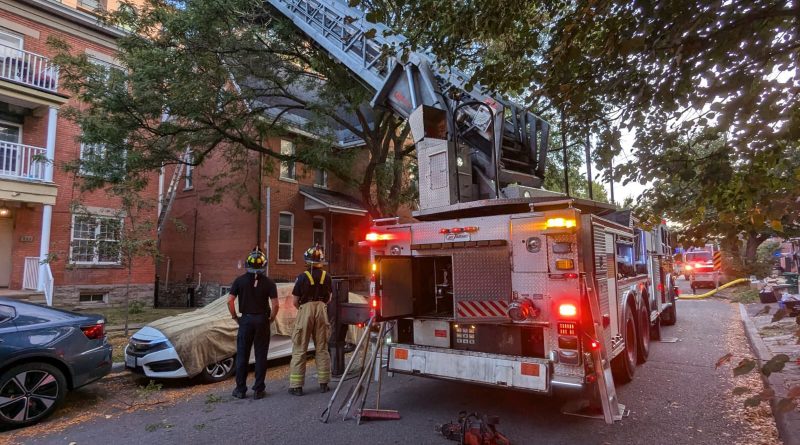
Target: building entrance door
(6,236)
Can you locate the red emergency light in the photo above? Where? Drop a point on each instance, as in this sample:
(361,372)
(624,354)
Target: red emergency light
(568,310)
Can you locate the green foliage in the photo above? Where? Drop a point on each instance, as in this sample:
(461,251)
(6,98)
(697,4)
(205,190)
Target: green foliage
(218,77)
(136,307)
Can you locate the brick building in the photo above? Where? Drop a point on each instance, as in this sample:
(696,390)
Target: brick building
(203,245)
(38,219)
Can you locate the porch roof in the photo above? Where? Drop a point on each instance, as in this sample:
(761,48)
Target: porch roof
(322,200)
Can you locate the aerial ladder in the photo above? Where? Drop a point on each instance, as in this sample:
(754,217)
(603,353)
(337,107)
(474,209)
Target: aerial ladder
(469,143)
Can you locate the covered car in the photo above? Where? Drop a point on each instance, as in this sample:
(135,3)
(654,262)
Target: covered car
(203,342)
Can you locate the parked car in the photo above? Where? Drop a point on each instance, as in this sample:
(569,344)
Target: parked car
(44,352)
(202,343)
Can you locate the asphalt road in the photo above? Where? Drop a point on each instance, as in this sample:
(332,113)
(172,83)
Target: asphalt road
(676,397)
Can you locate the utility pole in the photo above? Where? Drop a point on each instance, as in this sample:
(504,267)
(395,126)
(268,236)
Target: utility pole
(563,131)
(611,179)
(588,149)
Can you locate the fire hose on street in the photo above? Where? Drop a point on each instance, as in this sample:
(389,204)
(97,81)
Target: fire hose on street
(713,291)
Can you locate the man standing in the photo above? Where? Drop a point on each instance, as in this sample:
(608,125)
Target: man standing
(254,290)
(312,292)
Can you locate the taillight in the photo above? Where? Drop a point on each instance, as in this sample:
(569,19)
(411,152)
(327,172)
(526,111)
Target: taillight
(94,332)
(566,329)
(567,310)
(372,236)
(374,303)
(565,264)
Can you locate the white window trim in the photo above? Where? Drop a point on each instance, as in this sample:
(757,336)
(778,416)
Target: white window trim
(315,231)
(285,165)
(16,36)
(291,238)
(13,124)
(188,176)
(96,261)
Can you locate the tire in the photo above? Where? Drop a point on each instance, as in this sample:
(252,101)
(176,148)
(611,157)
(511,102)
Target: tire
(643,330)
(45,387)
(655,329)
(219,371)
(623,366)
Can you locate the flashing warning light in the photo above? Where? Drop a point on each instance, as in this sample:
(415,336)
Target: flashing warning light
(374,267)
(660,287)
(688,267)
(470,229)
(372,236)
(594,344)
(567,310)
(374,302)
(444,231)
(560,222)
(457,229)
(565,264)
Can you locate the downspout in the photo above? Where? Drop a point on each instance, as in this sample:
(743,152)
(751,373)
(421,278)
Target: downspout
(260,184)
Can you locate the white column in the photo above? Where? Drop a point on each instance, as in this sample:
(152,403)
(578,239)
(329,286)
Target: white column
(52,121)
(47,210)
(44,241)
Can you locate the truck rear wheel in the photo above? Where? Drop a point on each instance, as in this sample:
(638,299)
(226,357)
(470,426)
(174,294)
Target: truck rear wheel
(623,366)
(670,315)
(655,329)
(644,334)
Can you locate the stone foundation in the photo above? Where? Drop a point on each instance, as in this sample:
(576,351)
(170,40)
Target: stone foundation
(69,296)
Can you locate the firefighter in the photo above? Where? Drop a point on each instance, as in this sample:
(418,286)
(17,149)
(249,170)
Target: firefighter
(312,292)
(254,290)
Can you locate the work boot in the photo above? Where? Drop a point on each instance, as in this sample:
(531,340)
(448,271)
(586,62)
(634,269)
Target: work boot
(259,395)
(323,387)
(296,391)
(238,394)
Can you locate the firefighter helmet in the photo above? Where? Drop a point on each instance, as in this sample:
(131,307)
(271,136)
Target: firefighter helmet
(256,261)
(314,255)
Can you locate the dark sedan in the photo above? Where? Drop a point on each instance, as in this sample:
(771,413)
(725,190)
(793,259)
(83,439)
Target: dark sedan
(43,353)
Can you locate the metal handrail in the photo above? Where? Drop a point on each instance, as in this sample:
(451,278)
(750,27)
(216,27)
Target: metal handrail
(23,161)
(28,68)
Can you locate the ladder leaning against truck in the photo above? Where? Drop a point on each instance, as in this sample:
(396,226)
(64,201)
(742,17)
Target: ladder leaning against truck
(499,282)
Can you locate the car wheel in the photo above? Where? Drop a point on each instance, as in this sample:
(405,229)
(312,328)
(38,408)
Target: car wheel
(219,371)
(624,365)
(29,393)
(643,329)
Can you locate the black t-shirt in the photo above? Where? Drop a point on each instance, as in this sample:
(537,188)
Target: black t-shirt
(317,292)
(253,294)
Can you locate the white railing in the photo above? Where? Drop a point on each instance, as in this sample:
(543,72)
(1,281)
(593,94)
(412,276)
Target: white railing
(30,277)
(28,68)
(22,161)
(47,283)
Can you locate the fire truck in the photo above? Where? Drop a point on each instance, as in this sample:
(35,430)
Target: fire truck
(497,281)
(699,267)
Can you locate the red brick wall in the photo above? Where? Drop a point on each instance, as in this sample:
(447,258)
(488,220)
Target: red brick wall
(216,243)
(28,220)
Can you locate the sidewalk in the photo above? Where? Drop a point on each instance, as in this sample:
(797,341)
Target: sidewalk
(769,339)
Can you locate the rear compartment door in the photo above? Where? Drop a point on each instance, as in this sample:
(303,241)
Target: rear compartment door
(396,287)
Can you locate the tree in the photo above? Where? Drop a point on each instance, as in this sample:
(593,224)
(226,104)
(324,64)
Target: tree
(668,71)
(219,77)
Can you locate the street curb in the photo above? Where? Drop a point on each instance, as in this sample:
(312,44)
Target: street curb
(118,367)
(788,423)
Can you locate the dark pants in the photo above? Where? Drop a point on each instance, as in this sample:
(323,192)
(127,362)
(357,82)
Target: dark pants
(253,331)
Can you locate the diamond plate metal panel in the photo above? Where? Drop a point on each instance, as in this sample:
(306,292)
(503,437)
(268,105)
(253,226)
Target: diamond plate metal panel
(529,245)
(601,275)
(482,275)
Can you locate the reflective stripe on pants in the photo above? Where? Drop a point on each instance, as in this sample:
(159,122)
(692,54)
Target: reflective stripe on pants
(311,323)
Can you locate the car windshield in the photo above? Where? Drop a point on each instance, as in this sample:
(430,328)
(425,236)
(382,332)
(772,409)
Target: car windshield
(698,256)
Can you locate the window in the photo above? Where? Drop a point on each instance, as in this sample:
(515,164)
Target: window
(287,167)
(318,236)
(625,267)
(7,313)
(11,43)
(189,171)
(107,69)
(91,156)
(92,298)
(95,240)
(285,236)
(224,291)
(321,178)
(91,4)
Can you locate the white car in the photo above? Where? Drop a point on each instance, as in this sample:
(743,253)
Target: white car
(203,342)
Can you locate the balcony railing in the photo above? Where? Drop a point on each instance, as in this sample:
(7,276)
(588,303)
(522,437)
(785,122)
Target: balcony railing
(22,161)
(28,68)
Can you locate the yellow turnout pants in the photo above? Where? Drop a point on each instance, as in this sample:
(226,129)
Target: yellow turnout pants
(311,322)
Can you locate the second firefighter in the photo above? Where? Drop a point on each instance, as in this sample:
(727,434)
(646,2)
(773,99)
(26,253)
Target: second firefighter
(312,292)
